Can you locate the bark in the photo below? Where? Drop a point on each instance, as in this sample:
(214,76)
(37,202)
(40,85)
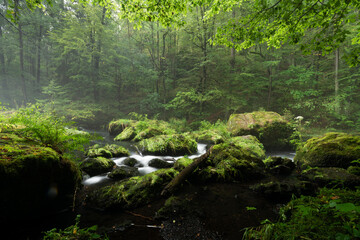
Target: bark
(336,81)
(39,55)
(185,173)
(4,83)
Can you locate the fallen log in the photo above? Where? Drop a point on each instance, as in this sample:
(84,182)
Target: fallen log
(181,177)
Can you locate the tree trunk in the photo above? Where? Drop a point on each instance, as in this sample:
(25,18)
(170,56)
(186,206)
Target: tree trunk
(269,88)
(336,81)
(4,83)
(39,55)
(185,173)
(21,52)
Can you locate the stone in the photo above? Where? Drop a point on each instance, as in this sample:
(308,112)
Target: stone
(123,172)
(96,166)
(159,163)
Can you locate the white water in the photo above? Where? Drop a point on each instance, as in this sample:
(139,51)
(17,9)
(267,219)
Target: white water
(143,162)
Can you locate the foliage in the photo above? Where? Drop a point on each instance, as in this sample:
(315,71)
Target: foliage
(48,129)
(73,232)
(333,214)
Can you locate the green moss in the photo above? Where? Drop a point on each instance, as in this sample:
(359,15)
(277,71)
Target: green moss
(96,166)
(354,170)
(239,158)
(117,126)
(329,150)
(208,136)
(132,192)
(168,145)
(117,151)
(126,135)
(32,178)
(182,163)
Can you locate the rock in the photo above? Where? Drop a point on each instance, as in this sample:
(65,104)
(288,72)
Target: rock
(131,162)
(159,163)
(279,165)
(34,180)
(96,166)
(168,145)
(208,136)
(133,192)
(329,150)
(239,158)
(182,163)
(331,177)
(148,133)
(117,126)
(273,131)
(108,151)
(126,135)
(123,172)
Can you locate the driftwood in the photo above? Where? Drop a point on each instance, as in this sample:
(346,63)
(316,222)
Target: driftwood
(180,178)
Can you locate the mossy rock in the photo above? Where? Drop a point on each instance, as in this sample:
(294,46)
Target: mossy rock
(239,158)
(208,136)
(34,180)
(133,192)
(139,130)
(279,165)
(329,150)
(273,131)
(168,145)
(117,126)
(96,166)
(123,172)
(182,163)
(331,177)
(108,151)
(159,163)
(126,135)
(131,162)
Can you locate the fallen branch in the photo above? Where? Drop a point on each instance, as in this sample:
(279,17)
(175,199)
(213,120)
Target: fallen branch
(180,178)
(139,215)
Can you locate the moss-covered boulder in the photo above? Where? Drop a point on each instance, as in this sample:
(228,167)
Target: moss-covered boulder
(107,151)
(117,126)
(96,166)
(208,136)
(331,177)
(133,192)
(139,130)
(329,150)
(34,180)
(279,165)
(269,127)
(182,163)
(168,145)
(123,172)
(239,158)
(131,162)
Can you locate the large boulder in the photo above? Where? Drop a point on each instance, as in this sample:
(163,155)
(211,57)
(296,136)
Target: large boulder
(117,126)
(132,192)
(329,150)
(211,136)
(269,127)
(96,166)
(34,180)
(160,163)
(163,145)
(237,159)
(123,172)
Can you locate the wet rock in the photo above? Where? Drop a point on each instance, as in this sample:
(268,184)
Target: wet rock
(279,165)
(330,150)
(123,172)
(131,162)
(331,177)
(96,166)
(132,192)
(211,136)
(98,152)
(126,135)
(176,144)
(239,158)
(273,131)
(159,163)
(117,151)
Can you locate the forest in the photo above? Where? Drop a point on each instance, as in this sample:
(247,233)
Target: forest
(91,63)
(179,119)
